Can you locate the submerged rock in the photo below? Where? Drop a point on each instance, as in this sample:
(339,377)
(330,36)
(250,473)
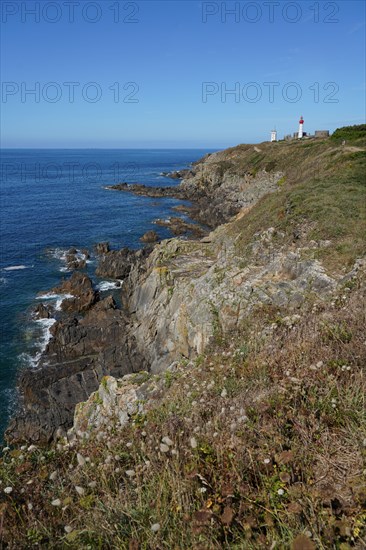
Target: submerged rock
(150,237)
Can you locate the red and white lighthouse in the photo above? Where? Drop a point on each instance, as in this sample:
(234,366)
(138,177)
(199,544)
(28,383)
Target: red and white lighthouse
(301,125)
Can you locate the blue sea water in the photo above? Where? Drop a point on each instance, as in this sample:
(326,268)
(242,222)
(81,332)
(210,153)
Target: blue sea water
(52,200)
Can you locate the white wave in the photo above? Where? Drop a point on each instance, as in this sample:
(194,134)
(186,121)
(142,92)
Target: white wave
(47,296)
(16,267)
(58,253)
(59,298)
(62,253)
(46,336)
(109,285)
(33,360)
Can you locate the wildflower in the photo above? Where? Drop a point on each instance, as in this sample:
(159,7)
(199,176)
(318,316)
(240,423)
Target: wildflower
(193,442)
(80,459)
(56,502)
(130,473)
(267,460)
(8,490)
(202,489)
(280,492)
(68,528)
(155,527)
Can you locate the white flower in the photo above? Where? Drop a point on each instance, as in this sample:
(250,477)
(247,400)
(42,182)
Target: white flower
(155,527)
(267,460)
(68,528)
(130,473)
(202,489)
(281,492)
(8,490)
(56,502)
(80,459)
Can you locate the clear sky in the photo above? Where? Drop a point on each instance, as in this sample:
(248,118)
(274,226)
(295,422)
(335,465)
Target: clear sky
(177,60)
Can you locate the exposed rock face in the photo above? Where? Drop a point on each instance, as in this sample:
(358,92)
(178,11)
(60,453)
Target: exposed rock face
(117,264)
(178,226)
(42,312)
(192,292)
(218,194)
(76,259)
(102,248)
(80,287)
(80,353)
(114,401)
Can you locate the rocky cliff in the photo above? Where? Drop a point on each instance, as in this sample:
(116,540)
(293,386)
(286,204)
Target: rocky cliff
(244,426)
(181,295)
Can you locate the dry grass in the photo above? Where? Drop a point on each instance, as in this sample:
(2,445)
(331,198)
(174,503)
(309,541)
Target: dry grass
(268,432)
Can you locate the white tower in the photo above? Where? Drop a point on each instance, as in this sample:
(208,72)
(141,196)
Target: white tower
(301,125)
(274,135)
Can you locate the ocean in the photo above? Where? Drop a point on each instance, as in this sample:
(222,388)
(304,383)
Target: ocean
(52,200)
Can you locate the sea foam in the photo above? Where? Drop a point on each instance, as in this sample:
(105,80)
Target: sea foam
(16,267)
(109,285)
(58,298)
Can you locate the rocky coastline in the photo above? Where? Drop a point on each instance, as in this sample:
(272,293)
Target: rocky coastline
(211,392)
(175,296)
(93,336)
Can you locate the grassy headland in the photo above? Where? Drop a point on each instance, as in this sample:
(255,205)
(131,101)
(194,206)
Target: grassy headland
(260,441)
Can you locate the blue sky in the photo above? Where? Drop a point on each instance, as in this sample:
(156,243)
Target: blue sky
(181,57)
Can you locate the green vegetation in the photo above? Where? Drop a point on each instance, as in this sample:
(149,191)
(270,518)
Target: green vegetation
(260,441)
(327,202)
(350,134)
